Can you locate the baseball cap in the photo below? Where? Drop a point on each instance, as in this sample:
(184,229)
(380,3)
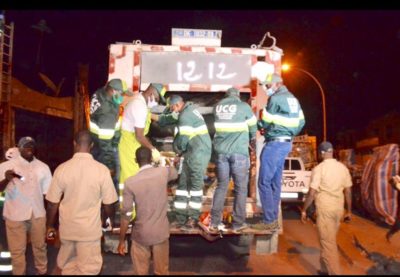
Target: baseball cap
(25,140)
(120,85)
(271,78)
(325,146)
(175,99)
(161,90)
(233,92)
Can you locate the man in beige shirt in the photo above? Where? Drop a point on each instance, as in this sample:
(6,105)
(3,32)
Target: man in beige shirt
(84,185)
(330,187)
(26,181)
(147,192)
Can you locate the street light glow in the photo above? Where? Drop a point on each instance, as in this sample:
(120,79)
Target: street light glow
(287,67)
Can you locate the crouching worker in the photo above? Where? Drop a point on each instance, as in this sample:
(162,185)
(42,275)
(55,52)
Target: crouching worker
(145,198)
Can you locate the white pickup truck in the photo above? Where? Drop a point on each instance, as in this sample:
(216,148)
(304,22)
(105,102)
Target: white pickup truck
(295,180)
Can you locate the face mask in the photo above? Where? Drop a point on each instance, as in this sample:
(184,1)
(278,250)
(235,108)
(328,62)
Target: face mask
(269,92)
(117,98)
(152,103)
(175,115)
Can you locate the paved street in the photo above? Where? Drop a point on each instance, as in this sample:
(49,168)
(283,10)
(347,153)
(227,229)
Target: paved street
(298,253)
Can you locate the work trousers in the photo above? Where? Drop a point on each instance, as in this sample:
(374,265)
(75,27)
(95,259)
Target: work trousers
(17,232)
(189,193)
(237,166)
(141,257)
(328,222)
(272,160)
(80,257)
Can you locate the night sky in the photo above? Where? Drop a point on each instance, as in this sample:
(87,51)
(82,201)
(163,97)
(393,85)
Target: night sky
(353,53)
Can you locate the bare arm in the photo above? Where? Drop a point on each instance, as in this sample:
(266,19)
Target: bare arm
(307,203)
(8,175)
(142,139)
(154,117)
(122,232)
(51,213)
(347,198)
(109,210)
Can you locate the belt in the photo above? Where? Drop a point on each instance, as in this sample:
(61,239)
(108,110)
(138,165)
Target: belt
(280,139)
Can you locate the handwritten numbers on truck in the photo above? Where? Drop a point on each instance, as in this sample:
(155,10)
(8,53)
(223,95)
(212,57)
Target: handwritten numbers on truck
(195,68)
(187,72)
(188,75)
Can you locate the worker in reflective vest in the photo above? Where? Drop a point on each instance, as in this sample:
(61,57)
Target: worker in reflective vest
(136,122)
(193,143)
(105,122)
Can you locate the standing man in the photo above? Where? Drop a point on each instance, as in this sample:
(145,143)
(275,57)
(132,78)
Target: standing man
(136,122)
(105,122)
(26,182)
(150,230)
(192,142)
(83,184)
(235,126)
(330,187)
(282,119)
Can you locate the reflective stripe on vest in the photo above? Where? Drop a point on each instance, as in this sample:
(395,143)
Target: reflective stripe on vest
(191,132)
(101,133)
(231,127)
(281,120)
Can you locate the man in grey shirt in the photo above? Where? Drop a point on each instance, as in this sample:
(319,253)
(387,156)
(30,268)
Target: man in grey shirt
(145,198)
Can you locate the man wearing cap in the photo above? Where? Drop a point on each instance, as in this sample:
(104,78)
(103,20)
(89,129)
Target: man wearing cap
(235,126)
(193,143)
(26,181)
(136,122)
(331,188)
(167,117)
(105,121)
(282,119)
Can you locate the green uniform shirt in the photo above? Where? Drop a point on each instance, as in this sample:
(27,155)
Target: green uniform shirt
(167,118)
(105,125)
(192,133)
(283,115)
(235,124)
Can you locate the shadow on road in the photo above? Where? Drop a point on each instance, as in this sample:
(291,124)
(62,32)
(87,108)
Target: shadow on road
(226,255)
(300,249)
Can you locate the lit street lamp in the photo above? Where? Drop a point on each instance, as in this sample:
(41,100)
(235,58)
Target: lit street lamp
(286,67)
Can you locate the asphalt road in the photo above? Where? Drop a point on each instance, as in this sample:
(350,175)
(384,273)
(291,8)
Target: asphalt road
(298,252)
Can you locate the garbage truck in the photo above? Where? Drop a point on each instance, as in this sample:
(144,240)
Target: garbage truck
(196,67)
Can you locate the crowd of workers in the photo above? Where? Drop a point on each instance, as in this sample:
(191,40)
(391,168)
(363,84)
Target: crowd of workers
(92,179)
